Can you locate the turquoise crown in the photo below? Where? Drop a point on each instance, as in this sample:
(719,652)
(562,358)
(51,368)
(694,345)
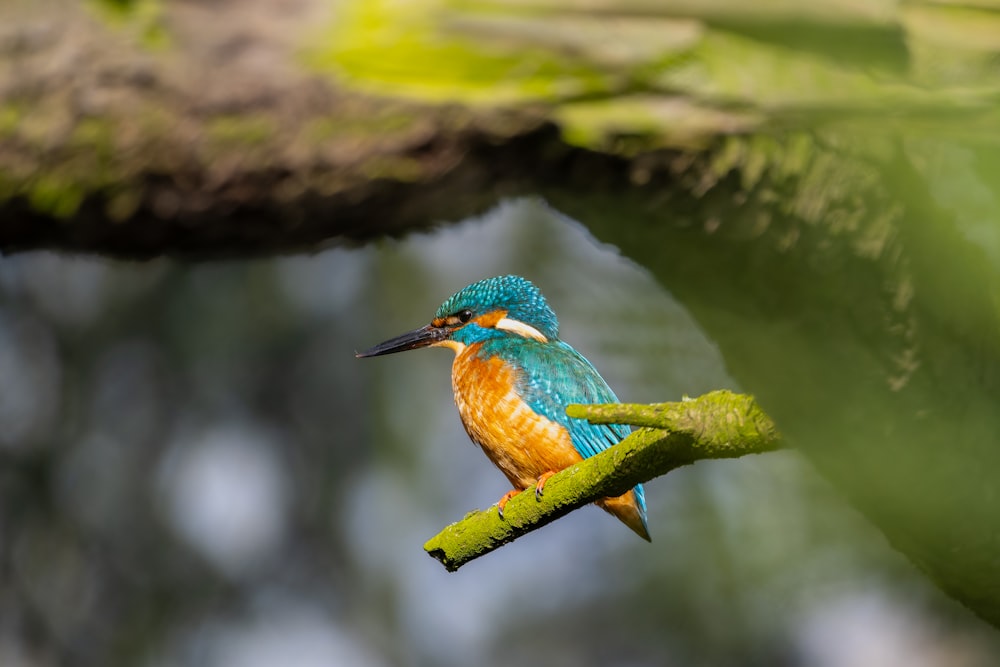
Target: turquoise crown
(518,296)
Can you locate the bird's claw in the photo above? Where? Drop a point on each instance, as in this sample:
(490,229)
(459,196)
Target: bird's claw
(540,484)
(503,501)
(539,490)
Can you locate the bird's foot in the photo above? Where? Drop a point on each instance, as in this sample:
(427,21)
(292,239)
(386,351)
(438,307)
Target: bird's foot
(540,484)
(503,501)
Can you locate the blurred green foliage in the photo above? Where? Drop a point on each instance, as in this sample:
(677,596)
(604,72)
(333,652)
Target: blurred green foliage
(143,18)
(677,74)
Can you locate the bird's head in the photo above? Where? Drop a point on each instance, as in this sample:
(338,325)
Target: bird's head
(505,305)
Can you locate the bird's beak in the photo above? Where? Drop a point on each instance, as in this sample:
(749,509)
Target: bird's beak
(411,340)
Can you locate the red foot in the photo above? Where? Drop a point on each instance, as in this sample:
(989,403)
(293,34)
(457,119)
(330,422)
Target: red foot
(540,484)
(503,501)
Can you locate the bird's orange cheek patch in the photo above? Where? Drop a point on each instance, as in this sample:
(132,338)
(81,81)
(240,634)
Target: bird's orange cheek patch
(489,320)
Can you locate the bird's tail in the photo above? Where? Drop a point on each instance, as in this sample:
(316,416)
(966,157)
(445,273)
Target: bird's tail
(630,509)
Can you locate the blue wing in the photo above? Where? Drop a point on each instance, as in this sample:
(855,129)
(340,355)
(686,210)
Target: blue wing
(554,375)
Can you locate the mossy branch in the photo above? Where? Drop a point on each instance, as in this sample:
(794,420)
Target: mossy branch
(717,425)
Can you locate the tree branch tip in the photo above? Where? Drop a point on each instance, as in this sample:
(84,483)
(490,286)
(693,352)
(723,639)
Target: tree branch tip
(439,554)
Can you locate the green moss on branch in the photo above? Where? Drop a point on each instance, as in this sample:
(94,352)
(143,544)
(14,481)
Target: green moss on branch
(720,424)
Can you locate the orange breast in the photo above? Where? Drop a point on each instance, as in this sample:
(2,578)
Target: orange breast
(520,442)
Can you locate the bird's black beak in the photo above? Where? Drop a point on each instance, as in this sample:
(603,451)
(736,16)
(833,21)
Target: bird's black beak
(411,340)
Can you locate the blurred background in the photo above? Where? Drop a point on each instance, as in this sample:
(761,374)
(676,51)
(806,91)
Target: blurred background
(197,471)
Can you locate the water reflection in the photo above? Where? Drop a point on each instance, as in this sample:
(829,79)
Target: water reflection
(196,471)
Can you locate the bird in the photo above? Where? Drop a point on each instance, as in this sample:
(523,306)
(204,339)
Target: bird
(512,378)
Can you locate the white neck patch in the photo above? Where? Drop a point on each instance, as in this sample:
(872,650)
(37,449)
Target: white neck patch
(521,329)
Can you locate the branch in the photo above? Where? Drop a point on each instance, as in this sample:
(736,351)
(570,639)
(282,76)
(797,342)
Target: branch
(718,425)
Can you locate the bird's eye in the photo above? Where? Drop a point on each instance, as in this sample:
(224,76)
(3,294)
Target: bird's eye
(461,317)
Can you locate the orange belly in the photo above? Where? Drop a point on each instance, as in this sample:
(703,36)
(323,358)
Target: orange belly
(520,442)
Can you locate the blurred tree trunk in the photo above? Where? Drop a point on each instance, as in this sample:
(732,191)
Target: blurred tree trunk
(196,131)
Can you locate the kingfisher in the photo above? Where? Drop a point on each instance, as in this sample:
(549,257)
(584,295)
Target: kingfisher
(513,378)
